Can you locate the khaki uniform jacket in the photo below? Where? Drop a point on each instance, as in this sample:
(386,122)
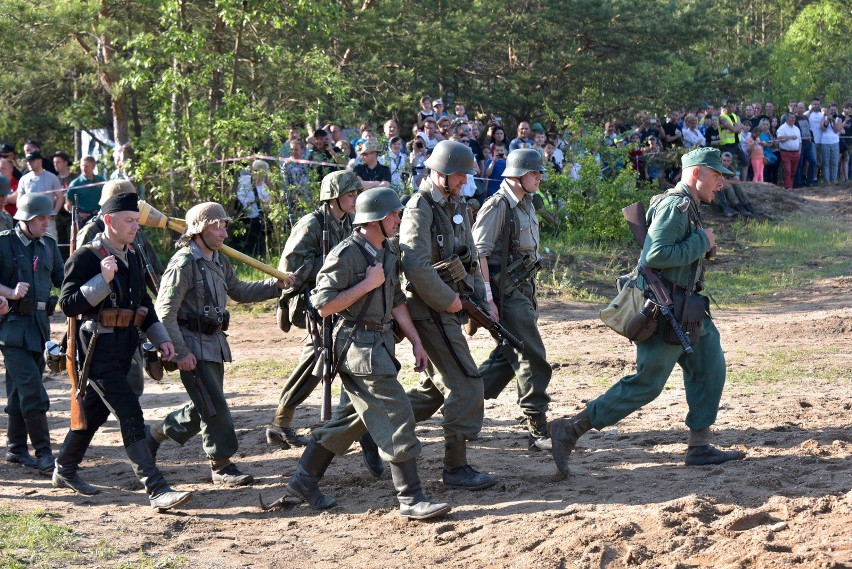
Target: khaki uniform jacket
(488,229)
(674,241)
(419,246)
(372,352)
(182,293)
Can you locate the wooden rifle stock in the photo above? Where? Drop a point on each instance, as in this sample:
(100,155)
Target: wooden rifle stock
(635,216)
(78,416)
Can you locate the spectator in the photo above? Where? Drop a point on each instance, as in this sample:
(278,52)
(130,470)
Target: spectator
(370,172)
(731,200)
(418,150)
(671,134)
(497,135)
(445,127)
(431,136)
(465,129)
(438,105)
(7,168)
(459,112)
(815,114)
(7,152)
(39,180)
(807,155)
(730,133)
(647,126)
(84,191)
(790,143)
(426,110)
(31,146)
(321,152)
(550,158)
(832,126)
(609,133)
(494,169)
(254,195)
(523,139)
(295,174)
(770,156)
(755,154)
(293,133)
(390,129)
(397,163)
(845,145)
(711,130)
(62,163)
(692,137)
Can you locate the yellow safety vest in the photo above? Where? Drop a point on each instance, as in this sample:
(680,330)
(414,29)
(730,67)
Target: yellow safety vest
(725,135)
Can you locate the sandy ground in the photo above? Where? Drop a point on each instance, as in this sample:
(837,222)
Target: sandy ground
(629,500)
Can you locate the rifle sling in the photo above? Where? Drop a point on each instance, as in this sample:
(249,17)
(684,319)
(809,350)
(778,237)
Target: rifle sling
(508,231)
(436,318)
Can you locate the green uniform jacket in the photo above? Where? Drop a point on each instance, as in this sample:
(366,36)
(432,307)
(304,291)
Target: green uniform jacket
(39,263)
(371,352)
(674,242)
(6,221)
(419,246)
(488,229)
(182,292)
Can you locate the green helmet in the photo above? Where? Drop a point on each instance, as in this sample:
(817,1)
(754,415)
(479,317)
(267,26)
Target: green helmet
(375,205)
(5,186)
(451,157)
(339,184)
(521,161)
(33,205)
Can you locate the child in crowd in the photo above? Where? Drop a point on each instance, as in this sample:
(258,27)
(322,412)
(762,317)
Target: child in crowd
(755,153)
(426,110)
(397,161)
(460,112)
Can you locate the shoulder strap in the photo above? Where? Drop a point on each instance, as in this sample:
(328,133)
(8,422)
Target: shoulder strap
(436,219)
(508,232)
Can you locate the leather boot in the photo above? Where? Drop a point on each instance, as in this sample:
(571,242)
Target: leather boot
(69,459)
(226,473)
(155,437)
(701,455)
(538,438)
(457,472)
(413,503)
(311,468)
(724,207)
(39,432)
(17,451)
(159,492)
(280,433)
(564,434)
(370,454)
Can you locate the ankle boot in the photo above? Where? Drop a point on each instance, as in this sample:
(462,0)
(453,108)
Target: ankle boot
(159,492)
(457,472)
(413,503)
(69,459)
(564,434)
(39,432)
(538,438)
(280,433)
(155,437)
(17,451)
(370,454)
(311,468)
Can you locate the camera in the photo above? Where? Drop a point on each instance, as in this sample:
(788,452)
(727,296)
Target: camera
(418,144)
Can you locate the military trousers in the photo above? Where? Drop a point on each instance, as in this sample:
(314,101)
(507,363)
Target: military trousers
(376,403)
(25,393)
(218,437)
(531,368)
(113,394)
(446,383)
(703,379)
(301,382)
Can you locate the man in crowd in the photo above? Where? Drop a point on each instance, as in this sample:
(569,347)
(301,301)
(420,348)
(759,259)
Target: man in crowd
(322,151)
(807,156)
(30,265)
(730,131)
(674,248)
(101,280)
(790,139)
(436,229)
(507,237)
(731,200)
(523,139)
(62,166)
(191,304)
(370,172)
(6,221)
(84,191)
(40,180)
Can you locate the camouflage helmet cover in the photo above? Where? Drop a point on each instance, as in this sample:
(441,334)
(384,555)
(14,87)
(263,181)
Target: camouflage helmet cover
(199,216)
(338,184)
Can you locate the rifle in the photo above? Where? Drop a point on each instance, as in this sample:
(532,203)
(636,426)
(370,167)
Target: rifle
(635,216)
(78,388)
(327,330)
(483,320)
(153,280)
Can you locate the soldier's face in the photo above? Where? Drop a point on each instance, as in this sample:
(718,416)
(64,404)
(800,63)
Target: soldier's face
(347,202)
(531,181)
(391,223)
(38,225)
(215,234)
(707,183)
(455,183)
(124,225)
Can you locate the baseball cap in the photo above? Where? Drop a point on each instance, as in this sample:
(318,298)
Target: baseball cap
(32,155)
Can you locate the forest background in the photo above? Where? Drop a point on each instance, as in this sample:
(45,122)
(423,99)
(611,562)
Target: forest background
(192,83)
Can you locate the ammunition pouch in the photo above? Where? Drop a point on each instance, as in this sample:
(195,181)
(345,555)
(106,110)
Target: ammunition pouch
(689,310)
(50,309)
(467,260)
(451,270)
(117,317)
(54,357)
(520,271)
(206,324)
(153,364)
(644,324)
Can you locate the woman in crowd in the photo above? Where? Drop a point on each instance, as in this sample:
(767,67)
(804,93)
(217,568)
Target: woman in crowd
(691,135)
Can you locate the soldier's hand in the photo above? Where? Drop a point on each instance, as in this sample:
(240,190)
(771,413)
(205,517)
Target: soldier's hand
(167,351)
(21,290)
(492,310)
(109,266)
(4,306)
(420,357)
(456,305)
(291,280)
(710,236)
(375,276)
(187,363)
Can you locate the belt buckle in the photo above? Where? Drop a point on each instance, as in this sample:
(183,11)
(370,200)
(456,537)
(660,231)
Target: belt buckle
(41,306)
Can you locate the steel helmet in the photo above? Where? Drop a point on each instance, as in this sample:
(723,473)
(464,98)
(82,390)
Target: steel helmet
(202,214)
(451,157)
(375,205)
(115,187)
(5,186)
(338,184)
(521,161)
(260,165)
(33,205)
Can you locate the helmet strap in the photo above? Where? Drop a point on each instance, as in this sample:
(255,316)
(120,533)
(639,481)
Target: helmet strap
(382,227)
(27,231)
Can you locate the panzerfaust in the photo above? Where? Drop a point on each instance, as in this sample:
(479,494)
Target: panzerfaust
(152,217)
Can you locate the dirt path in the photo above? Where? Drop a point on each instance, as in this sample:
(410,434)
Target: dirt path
(628,502)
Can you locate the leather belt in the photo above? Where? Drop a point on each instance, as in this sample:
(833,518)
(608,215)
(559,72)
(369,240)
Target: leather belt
(374,326)
(13,306)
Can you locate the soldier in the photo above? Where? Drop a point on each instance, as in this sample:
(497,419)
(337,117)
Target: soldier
(6,221)
(30,266)
(191,303)
(436,228)
(302,256)
(359,280)
(104,285)
(675,245)
(507,241)
(153,268)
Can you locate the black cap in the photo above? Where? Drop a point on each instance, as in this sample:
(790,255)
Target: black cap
(63,155)
(35,155)
(6,148)
(121,202)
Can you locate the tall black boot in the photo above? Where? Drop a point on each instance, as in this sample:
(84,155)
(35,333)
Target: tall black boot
(370,454)
(160,493)
(413,503)
(39,432)
(17,451)
(311,468)
(69,459)
(565,433)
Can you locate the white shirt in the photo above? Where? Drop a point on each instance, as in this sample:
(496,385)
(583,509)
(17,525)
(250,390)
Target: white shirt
(693,138)
(815,122)
(38,183)
(787,130)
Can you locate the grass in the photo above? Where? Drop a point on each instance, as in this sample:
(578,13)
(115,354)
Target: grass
(785,365)
(32,540)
